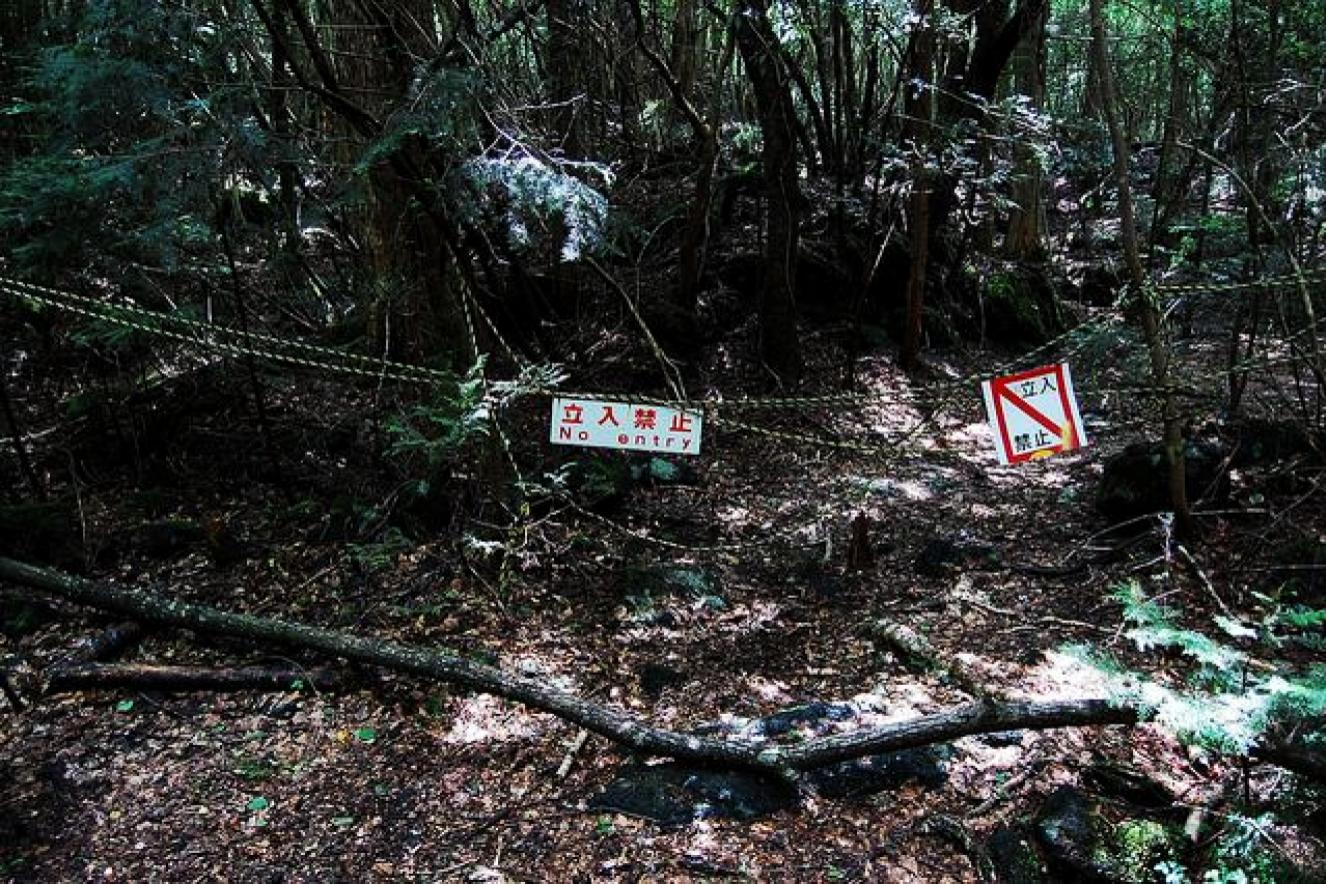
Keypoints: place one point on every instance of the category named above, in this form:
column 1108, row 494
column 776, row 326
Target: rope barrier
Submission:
column 1266, row 283
column 235, row 342
column 697, row 549
column 114, row 315
column 92, row 307
column 222, row 339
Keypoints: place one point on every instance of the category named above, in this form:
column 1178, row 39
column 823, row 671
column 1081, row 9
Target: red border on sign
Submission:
column 1000, row 390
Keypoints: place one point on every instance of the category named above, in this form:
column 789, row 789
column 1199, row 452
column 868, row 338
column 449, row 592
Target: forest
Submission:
column 684, row 440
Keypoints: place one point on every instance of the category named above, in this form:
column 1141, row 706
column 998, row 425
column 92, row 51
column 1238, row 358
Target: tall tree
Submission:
column 765, row 67
column 917, row 109
column 1148, row 312
column 1025, row 220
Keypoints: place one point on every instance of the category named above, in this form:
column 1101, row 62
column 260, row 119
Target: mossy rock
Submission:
column 1132, row 848
column 1083, row 845
column 1021, row 306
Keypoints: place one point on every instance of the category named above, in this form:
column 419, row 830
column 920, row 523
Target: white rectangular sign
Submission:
column 1033, row 414
column 625, row 425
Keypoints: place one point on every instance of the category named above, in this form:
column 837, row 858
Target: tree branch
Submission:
column 618, row 726
column 149, row 677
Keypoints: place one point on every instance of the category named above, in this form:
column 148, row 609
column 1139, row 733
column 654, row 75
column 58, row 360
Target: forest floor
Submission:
column 403, row 780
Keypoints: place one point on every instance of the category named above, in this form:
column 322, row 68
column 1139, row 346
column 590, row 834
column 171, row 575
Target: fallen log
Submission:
column 150, row 677
column 15, row 681
column 616, row 725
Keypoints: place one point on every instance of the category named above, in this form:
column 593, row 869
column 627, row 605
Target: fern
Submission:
column 1229, row 698
column 439, row 429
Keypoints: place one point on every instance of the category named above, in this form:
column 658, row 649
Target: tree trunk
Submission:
column 917, row 109
column 1148, row 311
column 998, row 33
column 565, row 71
column 1026, row 219
column 780, row 347
column 1169, row 192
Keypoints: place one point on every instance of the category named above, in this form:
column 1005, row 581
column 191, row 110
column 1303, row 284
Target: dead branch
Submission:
column 614, row 724
column 916, row 651
column 149, row 677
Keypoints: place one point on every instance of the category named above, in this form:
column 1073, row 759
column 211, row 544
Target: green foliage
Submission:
column 380, row 555
column 1230, row 696
column 1136, row 847
column 436, row 431
column 438, row 118
column 133, row 138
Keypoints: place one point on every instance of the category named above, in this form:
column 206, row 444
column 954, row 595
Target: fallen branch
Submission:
column 148, row 677
column 916, row 651
column 579, row 743
column 618, row 726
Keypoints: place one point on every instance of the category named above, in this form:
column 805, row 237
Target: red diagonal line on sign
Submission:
column 1038, row 417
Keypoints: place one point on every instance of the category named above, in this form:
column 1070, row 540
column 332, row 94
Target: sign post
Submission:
column 1033, row 414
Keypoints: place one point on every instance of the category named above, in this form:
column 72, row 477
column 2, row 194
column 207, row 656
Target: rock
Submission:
column 954, row 554
column 798, row 716
column 1135, row 847
column 878, row 773
column 1021, row 306
column 1259, row 442
column 656, row 677
column 1083, row 846
column 1001, row 739
column 1136, row 480
column 1128, row 784
column 676, row 794
column 1013, row 854
column 1066, row 826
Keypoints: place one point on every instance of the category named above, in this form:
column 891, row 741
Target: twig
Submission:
column 1049, row 618
column 1205, row 581
column 576, row 745
column 1003, row 790
column 16, row 437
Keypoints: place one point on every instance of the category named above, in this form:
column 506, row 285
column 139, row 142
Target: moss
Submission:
column 1133, row 849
